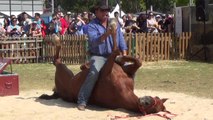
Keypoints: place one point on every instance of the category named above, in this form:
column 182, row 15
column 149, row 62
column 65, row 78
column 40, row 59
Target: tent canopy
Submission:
column 116, row 9
column 2, row 15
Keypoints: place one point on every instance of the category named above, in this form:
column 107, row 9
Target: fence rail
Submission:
column 145, row 46
column 22, row 50
column 73, row 51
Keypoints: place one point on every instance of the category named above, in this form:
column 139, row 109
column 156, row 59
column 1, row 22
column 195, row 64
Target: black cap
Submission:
column 100, row 5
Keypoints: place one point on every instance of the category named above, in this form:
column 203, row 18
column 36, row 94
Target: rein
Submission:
column 167, row 115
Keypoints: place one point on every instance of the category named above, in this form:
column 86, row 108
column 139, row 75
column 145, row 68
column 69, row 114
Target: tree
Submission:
column 140, row 5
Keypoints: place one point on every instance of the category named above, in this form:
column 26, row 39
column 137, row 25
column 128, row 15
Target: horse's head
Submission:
column 148, row 104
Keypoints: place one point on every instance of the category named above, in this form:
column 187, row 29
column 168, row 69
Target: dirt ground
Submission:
column 26, row 106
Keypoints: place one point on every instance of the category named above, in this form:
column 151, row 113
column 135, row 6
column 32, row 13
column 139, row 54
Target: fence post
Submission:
column 133, row 44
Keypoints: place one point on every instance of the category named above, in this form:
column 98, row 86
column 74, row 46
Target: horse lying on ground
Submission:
column 114, row 87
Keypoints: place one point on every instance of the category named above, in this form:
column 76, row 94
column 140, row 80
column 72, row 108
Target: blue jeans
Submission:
column 97, row 62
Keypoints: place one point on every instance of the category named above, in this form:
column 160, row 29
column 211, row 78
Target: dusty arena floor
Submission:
column 26, row 106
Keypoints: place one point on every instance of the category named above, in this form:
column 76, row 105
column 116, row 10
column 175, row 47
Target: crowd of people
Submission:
column 147, row 23
column 61, row 24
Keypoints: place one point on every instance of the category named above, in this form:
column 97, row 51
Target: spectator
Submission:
column 85, row 14
column 41, row 24
column 76, row 26
column 79, row 24
column 160, row 23
column 35, row 30
column 54, row 25
column 168, row 24
column 63, row 22
column 85, row 26
column 142, row 23
column 68, row 20
column 90, row 16
column 11, row 17
column 6, row 23
column 2, row 31
column 26, row 23
column 14, row 30
column 120, row 21
column 128, row 24
column 134, row 26
column 152, row 24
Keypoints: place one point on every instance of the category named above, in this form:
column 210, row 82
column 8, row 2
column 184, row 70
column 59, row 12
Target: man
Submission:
column 120, row 21
column 100, row 47
column 40, row 23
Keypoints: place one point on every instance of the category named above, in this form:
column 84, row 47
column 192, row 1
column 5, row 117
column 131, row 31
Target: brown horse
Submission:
column 114, row 88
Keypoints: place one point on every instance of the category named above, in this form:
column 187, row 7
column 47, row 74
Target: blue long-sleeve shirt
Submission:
column 98, row 47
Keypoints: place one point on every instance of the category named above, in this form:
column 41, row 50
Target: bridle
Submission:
column 166, row 114
column 145, row 110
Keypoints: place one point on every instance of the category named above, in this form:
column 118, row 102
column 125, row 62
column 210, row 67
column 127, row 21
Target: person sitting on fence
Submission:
column 35, row 31
column 14, row 30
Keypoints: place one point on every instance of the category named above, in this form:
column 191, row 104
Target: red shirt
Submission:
column 64, row 26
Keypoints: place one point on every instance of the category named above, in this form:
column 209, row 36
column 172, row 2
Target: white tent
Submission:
column 116, row 9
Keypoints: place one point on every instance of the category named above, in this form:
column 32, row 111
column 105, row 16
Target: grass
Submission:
column 192, row 78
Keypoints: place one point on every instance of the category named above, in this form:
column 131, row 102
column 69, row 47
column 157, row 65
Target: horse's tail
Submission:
column 49, row 97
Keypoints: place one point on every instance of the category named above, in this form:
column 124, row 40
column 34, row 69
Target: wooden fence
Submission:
column 73, row 51
column 146, row 46
column 21, row 50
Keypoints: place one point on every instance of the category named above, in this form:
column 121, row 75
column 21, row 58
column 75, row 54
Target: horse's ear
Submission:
column 164, row 99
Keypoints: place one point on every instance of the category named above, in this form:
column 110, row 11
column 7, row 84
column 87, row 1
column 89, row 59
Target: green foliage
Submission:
column 129, row 6
column 182, row 2
column 77, row 5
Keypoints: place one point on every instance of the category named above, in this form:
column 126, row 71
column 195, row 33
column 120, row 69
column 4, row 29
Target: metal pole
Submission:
column 32, row 7
column 107, row 2
column 52, row 6
column 146, row 7
column 21, row 6
column 10, row 6
column 146, row 15
column 190, row 18
column 120, row 3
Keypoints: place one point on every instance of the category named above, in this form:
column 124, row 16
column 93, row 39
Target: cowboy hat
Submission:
column 100, row 5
